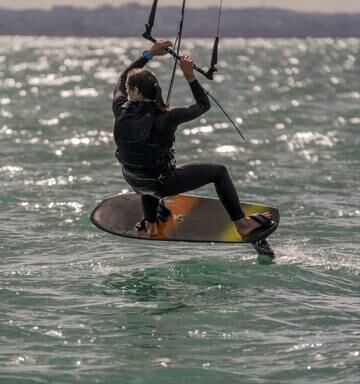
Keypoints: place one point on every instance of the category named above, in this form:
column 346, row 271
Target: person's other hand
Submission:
column 159, row 48
column 187, row 67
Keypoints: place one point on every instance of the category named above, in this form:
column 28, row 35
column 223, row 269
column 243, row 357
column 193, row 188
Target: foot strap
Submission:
column 163, row 212
column 140, row 226
column 162, row 215
column 267, row 227
column 262, row 220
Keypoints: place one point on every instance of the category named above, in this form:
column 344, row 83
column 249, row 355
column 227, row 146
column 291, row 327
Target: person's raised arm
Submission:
column 120, row 93
column 202, row 104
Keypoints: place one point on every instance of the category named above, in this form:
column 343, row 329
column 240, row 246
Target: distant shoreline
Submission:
column 129, row 21
column 189, row 8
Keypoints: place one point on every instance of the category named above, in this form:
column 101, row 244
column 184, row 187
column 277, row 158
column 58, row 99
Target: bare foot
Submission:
column 151, row 228
column 246, row 225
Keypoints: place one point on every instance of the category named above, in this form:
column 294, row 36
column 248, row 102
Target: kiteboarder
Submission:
column 144, row 134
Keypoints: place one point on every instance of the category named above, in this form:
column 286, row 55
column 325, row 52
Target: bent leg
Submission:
column 192, row 176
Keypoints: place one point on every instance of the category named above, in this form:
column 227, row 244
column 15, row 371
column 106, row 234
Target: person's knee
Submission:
column 221, row 171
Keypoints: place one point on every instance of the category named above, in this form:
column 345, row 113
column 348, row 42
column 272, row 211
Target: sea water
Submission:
column 78, row 305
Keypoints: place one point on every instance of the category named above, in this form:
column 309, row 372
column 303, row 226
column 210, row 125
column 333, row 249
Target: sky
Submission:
column 302, row 5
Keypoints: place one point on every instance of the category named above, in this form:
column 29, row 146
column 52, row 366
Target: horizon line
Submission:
column 264, row 7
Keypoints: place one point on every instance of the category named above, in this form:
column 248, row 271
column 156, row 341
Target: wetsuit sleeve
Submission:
column 202, row 104
column 120, row 95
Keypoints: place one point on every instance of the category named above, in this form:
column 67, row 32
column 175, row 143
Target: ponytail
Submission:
column 159, row 101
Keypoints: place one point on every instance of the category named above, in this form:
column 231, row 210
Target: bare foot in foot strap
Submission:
column 248, row 224
column 149, row 228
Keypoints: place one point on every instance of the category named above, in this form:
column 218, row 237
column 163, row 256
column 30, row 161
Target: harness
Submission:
column 132, row 134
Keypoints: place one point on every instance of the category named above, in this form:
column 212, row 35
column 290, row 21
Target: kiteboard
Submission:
column 191, row 219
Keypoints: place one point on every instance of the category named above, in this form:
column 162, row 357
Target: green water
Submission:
column 81, row 306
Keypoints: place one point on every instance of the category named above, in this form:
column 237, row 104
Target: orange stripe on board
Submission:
column 179, row 205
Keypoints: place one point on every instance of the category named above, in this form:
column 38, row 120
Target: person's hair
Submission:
column 148, row 85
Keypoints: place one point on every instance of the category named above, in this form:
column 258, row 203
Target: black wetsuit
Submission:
column 168, row 180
